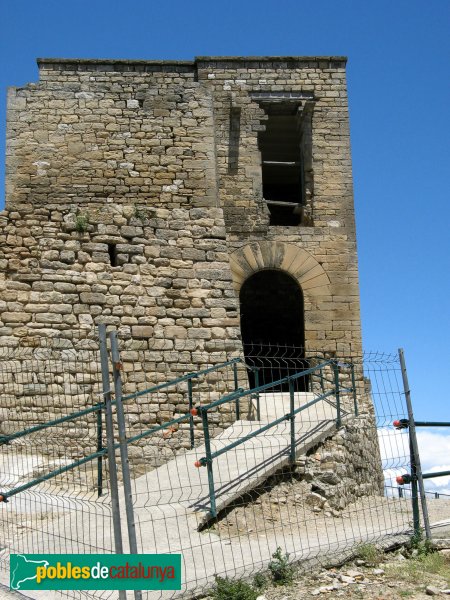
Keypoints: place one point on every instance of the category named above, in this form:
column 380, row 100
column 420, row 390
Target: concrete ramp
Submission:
column 180, row 484
column 273, row 405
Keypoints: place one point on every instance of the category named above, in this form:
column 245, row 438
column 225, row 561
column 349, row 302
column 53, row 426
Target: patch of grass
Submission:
column 421, row 568
column 420, row 544
column 140, row 213
column 437, row 564
column 81, row 222
column 281, row 571
column 228, row 589
column 259, row 582
column 370, row 554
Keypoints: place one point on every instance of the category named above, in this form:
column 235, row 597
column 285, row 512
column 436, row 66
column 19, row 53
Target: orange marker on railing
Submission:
column 404, row 479
column 198, row 463
column 401, row 423
column 194, row 412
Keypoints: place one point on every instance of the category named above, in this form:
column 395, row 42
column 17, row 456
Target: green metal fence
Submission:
column 295, row 457
column 238, row 394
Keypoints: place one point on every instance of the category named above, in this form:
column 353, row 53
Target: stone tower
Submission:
column 201, row 208
column 186, row 201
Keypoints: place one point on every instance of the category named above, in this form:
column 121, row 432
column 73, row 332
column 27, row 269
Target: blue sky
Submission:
column 399, row 91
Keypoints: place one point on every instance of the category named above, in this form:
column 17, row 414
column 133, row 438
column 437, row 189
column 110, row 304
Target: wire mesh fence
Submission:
column 231, row 456
column 49, row 422
column 324, row 499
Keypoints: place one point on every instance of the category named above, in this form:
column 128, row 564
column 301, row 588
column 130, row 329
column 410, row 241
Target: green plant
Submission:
column 81, row 222
column 370, row 554
column 140, row 214
column 281, row 571
column 421, row 569
column 259, row 581
column 420, row 544
column 228, row 589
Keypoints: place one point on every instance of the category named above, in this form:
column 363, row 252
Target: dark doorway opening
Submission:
column 272, row 327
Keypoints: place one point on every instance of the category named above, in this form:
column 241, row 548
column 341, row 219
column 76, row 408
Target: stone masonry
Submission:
column 134, row 197
column 135, row 154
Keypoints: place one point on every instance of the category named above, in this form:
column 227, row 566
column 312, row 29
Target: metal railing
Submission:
column 99, row 410
column 406, row 493
column 267, row 506
column 416, row 476
column 189, row 378
column 203, row 411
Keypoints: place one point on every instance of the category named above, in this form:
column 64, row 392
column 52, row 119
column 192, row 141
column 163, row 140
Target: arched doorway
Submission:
column 272, row 325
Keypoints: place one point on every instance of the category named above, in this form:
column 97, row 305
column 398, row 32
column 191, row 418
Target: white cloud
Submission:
column 394, row 447
column 434, row 450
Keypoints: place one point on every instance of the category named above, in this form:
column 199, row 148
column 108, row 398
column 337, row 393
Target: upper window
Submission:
column 282, row 160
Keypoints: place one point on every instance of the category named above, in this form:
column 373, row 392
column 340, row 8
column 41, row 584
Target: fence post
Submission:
column 236, row 386
column 258, row 404
column 117, row 528
column 322, row 383
column 416, row 469
column 191, row 418
column 99, row 449
column 292, row 419
column 355, row 400
column 124, row 449
column 209, row 465
column 337, row 393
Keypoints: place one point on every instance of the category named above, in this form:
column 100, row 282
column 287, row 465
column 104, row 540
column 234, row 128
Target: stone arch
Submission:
column 300, row 264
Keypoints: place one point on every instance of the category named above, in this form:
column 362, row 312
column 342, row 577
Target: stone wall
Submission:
column 346, row 466
column 134, row 147
column 332, row 318
column 122, row 160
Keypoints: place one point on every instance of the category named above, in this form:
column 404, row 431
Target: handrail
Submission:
column 240, row 393
column 431, row 423
column 95, row 455
column 401, row 491
column 404, row 423
column 5, row 439
column 266, row 427
column 186, row 377
column 202, row 410
column 243, row 393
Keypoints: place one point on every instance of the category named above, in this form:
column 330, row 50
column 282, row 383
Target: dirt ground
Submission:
column 396, row 575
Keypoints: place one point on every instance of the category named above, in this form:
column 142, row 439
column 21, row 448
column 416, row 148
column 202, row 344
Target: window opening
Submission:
column 112, row 251
column 282, row 163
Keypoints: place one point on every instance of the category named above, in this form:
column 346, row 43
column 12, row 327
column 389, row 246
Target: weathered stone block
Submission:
column 142, row 331
column 92, row 298
column 15, row 317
